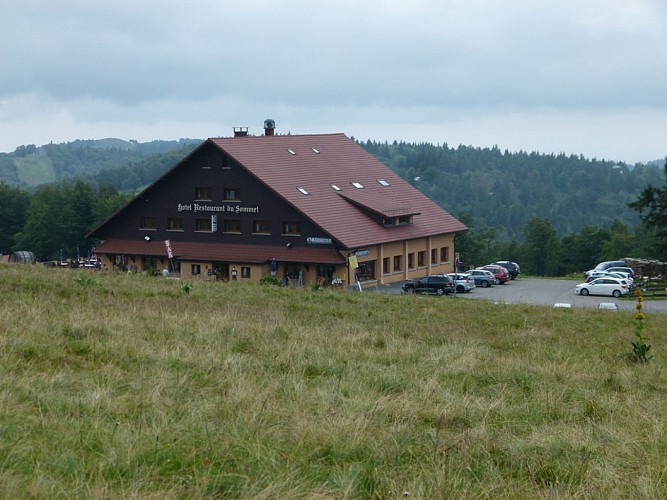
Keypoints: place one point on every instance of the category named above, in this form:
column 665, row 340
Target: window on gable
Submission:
column 291, row 228
column 203, row 225
column 261, row 227
column 203, row 193
column 231, row 194
column 175, row 224
column 232, row 226
column 147, row 223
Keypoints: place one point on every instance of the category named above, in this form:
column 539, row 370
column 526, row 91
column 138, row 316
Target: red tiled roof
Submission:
column 314, row 162
column 223, row 252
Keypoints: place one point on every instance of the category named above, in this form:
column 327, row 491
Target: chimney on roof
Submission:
column 269, row 126
column 240, row 131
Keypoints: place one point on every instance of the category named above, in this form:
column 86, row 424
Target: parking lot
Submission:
column 546, row 292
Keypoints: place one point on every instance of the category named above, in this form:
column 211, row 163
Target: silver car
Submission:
column 482, row 277
column 463, row 282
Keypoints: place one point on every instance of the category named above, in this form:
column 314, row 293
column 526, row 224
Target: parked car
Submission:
column 501, row 274
column 440, row 284
column 512, row 267
column 603, row 286
column 483, row 277
column 621, row 276
column 463, row 282
column 603, row 266
column 622, row 269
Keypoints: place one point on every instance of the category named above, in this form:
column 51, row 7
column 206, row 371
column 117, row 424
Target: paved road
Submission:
column 547, row 292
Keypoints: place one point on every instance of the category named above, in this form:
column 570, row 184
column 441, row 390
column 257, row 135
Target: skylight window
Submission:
column 315, row 151
column 383, row 182
column 303, row 190
column 291, row 151
column 358, row 185
column 335, row 187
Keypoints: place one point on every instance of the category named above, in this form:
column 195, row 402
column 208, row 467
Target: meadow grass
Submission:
column 125, row 386
column 35, row 169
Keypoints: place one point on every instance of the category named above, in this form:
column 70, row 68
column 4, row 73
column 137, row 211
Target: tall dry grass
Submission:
column 116, row 385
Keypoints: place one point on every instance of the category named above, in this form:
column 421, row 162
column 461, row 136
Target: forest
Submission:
column 554, row 214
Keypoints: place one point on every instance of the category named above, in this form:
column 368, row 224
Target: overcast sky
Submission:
column 575, row 76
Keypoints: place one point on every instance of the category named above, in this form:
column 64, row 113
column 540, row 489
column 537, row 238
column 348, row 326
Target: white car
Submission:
column 603, row 286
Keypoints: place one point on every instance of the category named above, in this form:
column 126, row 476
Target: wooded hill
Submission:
column 497, row 189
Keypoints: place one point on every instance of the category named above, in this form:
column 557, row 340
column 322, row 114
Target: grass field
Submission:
column 35, row 169
column 116, row 385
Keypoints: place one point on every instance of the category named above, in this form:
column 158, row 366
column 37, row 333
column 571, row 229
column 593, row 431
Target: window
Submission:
column 203, row 193
column 358, row 185
column 203, row 225
column 411, row 261
column 444, row 254
column 293, row 228
column 261, row 227
column 383, row 182
column 303, row 190
column 398, row 262
column 232, row 226
column 405, row 219
column 245, row 272
column 434, row 256
column 336, row 188
column 385, row 266
column 421, row 258
column 147, row 223
column 174, row 224
column 196, row 270
column 231, row 194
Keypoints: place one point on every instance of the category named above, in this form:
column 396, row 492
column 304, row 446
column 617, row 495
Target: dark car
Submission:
column 512, row 268
column 439, row 284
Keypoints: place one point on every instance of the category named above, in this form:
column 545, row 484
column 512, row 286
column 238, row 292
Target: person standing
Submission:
column 233, row 273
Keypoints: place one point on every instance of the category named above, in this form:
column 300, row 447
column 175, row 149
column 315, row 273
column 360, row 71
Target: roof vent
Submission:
column 269, row 126
column 240, row 131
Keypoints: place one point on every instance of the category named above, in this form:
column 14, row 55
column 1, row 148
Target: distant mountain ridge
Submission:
column 29, row 166
column 498, row 189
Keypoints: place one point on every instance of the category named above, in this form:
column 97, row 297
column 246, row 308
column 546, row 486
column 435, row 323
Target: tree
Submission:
column 541, row 250
column 13, row 206
column 652, row 207
column 58, row 218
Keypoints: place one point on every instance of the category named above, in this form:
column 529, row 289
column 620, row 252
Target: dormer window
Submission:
column 397, row 221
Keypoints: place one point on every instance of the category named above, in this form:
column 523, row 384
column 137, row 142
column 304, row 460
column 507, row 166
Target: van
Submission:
column 603, row 266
